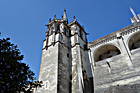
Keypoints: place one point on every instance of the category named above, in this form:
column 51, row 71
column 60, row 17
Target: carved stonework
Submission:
column 70, row 64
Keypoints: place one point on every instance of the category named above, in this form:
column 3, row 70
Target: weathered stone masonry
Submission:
column 65, row 66
column 116, row 60
column 71, row 64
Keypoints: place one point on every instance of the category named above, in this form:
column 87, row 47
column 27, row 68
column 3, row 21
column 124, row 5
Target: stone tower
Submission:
column 82, row 77
column 65, row 66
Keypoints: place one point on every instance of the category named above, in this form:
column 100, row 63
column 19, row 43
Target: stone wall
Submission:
column 49, row 70
column 64, row 69
column 118, row 73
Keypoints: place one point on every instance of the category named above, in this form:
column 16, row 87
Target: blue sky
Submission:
column 23, row 21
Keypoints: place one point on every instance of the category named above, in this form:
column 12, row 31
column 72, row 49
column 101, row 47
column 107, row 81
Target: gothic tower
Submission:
column 81, row 67
column 65, row 66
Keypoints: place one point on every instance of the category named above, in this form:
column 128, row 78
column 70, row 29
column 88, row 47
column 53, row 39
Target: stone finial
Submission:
column 74, row 18
column 50, row 20
column 54, row 17
column 65, row 15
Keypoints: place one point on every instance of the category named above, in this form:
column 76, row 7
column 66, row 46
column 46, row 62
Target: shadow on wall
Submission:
column 106, row 51
column 134, row 41
column 124, row 89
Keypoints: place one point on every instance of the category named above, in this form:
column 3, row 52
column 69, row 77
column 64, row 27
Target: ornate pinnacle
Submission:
column 65, row 15
column 74, row 18
column 50, row 20
column 54, row 17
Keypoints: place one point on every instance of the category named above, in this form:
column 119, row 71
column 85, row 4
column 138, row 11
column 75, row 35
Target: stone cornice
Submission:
column 125, row 31
column 52, row 44
column 79, row 36
column 75, row 22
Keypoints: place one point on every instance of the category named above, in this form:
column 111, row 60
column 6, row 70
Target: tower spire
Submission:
column 74, row 18
column 65, row 15
column 50, row 20
column 54, row 17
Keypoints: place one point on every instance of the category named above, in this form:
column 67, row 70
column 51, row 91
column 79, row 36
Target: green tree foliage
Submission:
column 15, row 76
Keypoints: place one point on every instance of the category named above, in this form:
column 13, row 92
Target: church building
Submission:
column 71, row 64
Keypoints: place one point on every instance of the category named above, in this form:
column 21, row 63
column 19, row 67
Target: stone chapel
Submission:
column 71, row 64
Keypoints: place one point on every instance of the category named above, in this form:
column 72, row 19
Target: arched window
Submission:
column 134, row 41
column 105, row 52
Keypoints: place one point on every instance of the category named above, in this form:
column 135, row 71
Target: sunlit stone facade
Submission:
column 70, row 64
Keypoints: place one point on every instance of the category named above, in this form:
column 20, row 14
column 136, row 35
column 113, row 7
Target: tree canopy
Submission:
column 15, row 76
